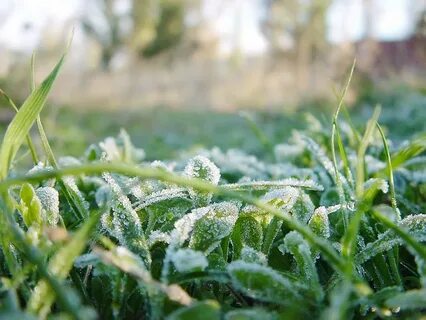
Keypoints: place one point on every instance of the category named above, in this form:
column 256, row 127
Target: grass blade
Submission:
column 24, row 119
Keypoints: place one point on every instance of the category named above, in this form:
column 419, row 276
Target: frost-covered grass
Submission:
column 311, row 228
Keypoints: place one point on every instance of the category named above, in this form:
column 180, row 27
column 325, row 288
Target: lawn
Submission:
column 207, row 215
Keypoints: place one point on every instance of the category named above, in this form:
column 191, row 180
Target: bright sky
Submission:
column 235, row 21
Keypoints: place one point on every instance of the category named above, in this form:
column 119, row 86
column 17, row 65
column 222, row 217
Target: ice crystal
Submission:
column 188, row 260
column 49, row 199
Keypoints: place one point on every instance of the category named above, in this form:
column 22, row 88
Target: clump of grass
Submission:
column 219, row 235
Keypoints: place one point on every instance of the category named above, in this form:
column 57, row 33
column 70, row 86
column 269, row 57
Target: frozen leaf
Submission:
column 271, row 232
column 125, row 222
column 319, row 223
column 202, row 168
column 49, row 199
column 299, row 248
column 247, row 232
column 215, row 225
column 303, row 208
column 187, row 260
column 262, row 283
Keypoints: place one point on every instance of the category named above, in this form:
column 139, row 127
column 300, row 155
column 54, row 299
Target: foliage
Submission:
column 222, row 234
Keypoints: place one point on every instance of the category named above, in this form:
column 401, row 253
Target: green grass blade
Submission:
column 390, row 171
column 335, row 132
column 28, row 137
column 24, row 119
column 360, row 175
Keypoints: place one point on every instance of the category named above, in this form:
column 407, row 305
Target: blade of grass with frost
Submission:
column 360, row 166
column 75, row 203
column 414, row 148
column 24, row 119
column 59, row 266
column 28, row 137
column 349, row 238
column 336, row 132
column 152, row 173
column 393, row 255
column 390, row 171
column 363, row 198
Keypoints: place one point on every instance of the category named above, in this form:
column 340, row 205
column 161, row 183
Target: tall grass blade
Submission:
column 24, row 119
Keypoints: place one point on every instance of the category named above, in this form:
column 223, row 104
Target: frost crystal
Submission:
column 49, row 199
column 202, row 168
column 188, row 260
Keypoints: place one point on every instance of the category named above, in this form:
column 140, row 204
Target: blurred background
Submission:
column 138, row 63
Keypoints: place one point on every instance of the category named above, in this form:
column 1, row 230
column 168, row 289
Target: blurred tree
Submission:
column 169, row 28
column 156, row 26
column 298, row 27
column 102, row 23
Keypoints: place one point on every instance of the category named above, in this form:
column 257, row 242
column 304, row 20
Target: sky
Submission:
column 236, row 22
